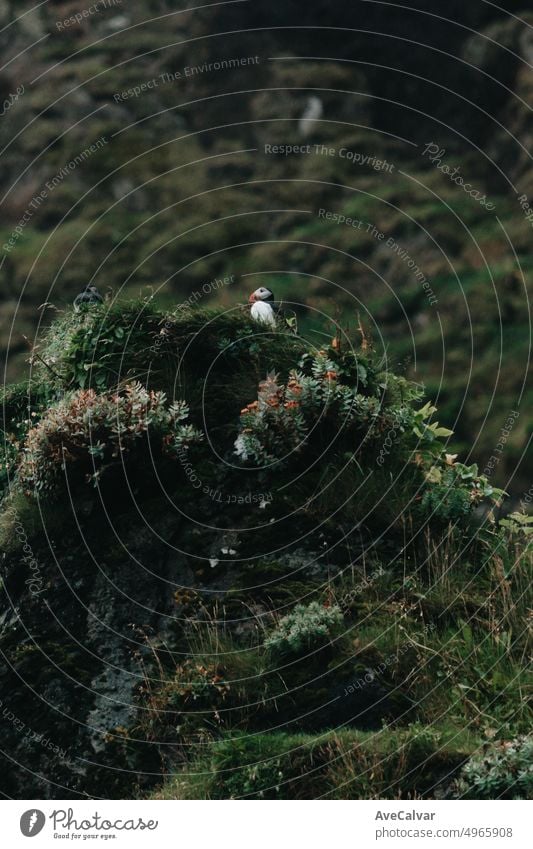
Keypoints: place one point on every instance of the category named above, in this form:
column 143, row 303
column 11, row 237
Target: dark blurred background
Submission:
column 180, row 190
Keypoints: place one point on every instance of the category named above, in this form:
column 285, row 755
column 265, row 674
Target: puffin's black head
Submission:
column 261, row 294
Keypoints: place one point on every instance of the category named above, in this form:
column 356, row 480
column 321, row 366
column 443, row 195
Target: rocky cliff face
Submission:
column 73, row 651
column 113, row 594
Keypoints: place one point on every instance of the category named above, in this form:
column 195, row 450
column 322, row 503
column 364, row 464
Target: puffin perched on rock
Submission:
column 266, row 311
column 89, row 296
column 262, row 301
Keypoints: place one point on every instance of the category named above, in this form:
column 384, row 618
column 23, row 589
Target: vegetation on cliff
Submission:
column 240, row 564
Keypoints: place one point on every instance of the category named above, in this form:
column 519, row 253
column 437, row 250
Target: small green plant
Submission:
column 519, row 525
column 345, row 764
column 196, row 683
column 261, row 780
column 88, row 430
column 455, row 489
column 9, row 456
column 304, row 628
column 21, row 407
column 243, row 344
column 503, row 771
column 90, row 348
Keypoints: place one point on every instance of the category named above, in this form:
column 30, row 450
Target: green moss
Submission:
column 344, row 765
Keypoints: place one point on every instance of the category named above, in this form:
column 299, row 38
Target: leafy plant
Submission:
column 455, row 489
column 22, row 405
column 193, row 698
column 503, row 771
column 99, row 347
column 284, row 416
column 88, row 430
column 519, row 525
column 371, row 417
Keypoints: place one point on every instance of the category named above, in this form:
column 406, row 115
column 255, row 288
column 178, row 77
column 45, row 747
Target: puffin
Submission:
column 88, row 297
column 262, row 310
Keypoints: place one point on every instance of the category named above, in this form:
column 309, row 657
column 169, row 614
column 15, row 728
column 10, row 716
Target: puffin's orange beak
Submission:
column 251, row 299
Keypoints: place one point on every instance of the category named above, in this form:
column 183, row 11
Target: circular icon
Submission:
column 32, row 822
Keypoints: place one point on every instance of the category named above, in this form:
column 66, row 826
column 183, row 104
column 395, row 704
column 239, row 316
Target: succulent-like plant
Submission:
column 504, row 770
column 303, row 628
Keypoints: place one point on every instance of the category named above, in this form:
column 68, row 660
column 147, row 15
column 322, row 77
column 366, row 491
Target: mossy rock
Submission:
column 345, row 765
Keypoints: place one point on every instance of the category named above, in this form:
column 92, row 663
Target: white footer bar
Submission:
column 268, row 825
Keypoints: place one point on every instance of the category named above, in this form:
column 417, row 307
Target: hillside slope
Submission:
column 138, row 151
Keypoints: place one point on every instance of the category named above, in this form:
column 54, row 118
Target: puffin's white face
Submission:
column 261, row 294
